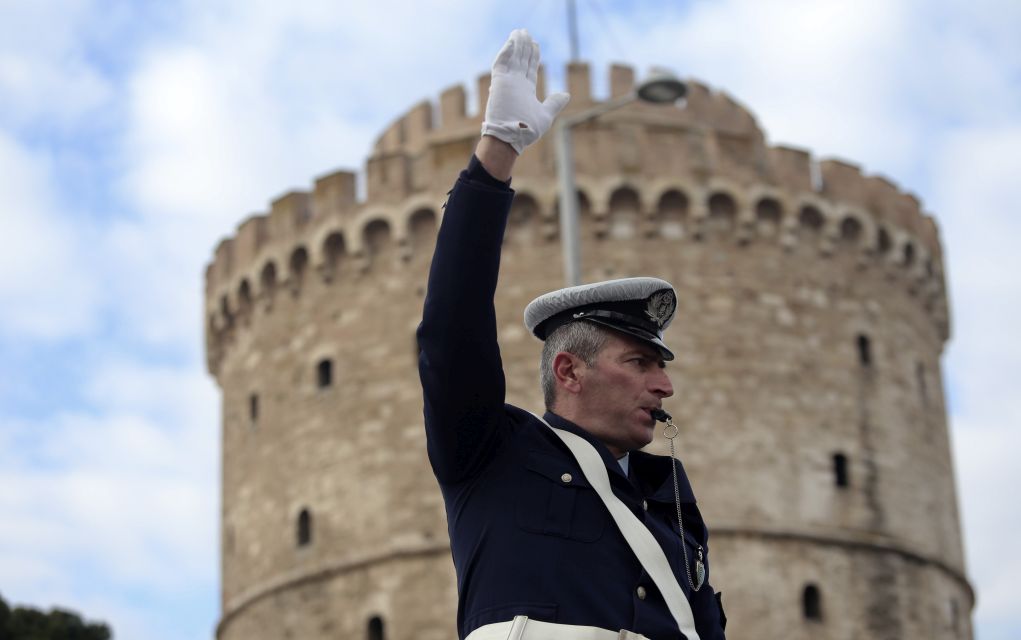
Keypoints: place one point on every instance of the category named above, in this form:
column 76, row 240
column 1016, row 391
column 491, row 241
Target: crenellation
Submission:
column 732, row 204
column 417, row 124
column 392, row 139
column 251, row 237
column 909, row 209
column 388, row 177
column 843, row 181
column 482, row 95
column 718, row 110
column 928, row 231
column 289, row 214
column 210, row 277
column 579, row 85
column 453, row 104
column 422, row 170
column 885, row 200
column 732, row 115
column 223, row 262
column 622, row 80
column 335, row 194
column 540, row 83
column 791, row 168
column 739, row 155
column 698, row 101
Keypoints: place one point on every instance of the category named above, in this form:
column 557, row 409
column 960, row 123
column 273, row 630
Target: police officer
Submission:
column 538, row 554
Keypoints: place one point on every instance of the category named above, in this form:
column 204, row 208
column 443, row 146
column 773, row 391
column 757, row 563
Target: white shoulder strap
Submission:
column 649, row 553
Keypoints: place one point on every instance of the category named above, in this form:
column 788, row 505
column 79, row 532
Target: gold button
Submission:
column 640, row 591
column 645, row 505
column 566, row 477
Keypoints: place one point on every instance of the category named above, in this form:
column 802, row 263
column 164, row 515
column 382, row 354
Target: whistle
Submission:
column 662, row 416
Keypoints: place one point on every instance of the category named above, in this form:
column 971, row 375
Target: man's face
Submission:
column 626, row 382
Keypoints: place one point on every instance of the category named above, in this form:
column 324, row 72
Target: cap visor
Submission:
column 639, row 333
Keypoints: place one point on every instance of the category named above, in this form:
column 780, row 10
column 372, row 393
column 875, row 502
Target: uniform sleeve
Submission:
column 459, row 361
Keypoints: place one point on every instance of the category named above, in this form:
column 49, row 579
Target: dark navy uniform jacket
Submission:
column 528, row 534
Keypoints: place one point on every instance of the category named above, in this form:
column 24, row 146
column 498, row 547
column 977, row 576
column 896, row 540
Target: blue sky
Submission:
column 133, row 136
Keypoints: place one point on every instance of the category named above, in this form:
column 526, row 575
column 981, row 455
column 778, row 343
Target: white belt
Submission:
column 521, row 628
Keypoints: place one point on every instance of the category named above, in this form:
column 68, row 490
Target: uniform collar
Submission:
column 608, row 460
column 652, row 472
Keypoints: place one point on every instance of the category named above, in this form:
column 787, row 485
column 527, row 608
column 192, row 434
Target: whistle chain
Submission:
column 671, row 431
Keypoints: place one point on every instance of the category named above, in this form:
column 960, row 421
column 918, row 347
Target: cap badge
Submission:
column 660, row 307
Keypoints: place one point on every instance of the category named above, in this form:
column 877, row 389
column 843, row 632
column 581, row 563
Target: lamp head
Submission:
column 661, row 87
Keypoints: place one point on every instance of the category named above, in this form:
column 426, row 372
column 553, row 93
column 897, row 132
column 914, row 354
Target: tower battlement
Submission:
column 710, row 154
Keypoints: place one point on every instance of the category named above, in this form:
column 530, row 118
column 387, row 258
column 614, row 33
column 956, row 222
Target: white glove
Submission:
column 513, row 113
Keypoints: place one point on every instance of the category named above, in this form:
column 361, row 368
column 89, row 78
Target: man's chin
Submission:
column 645, row 437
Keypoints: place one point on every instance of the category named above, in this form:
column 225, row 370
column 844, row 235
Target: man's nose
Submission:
column 660, row 383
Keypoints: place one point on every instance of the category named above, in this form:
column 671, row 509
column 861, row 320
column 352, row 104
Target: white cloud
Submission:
column 45, row 74
column 253, row 100
column 257, row 100
column 127, row 491
column 817, row 73
column 986, row 467
column 975, row 177
column 46, row 287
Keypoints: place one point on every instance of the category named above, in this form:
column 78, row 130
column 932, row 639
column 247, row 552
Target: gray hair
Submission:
column 582, row 339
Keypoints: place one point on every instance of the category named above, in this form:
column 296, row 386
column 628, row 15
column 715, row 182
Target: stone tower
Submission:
column 812, row 317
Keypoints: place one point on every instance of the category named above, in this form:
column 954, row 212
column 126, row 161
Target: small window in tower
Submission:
column 324, row 373
column 954, row 614
column 884, row 241
column 811, row 602
column 304, row 528
column 253, row 407
column 909, row 255
column 920, row 376
column 375, row 629
column 864, row 350
column 840, row 470
column 810, row 218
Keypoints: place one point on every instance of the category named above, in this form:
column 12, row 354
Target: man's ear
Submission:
column 569, row 370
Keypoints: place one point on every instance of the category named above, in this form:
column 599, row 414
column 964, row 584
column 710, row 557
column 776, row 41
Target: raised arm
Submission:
column 459, row 360
column 496, row 157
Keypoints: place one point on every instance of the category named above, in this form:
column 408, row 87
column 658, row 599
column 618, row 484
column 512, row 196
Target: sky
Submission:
column 135, row 135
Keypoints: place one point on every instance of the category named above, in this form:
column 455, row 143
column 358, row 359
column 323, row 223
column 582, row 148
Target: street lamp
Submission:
column 660, row 87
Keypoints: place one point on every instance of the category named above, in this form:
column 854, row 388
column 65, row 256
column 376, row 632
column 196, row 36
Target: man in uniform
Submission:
column 537, row 553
